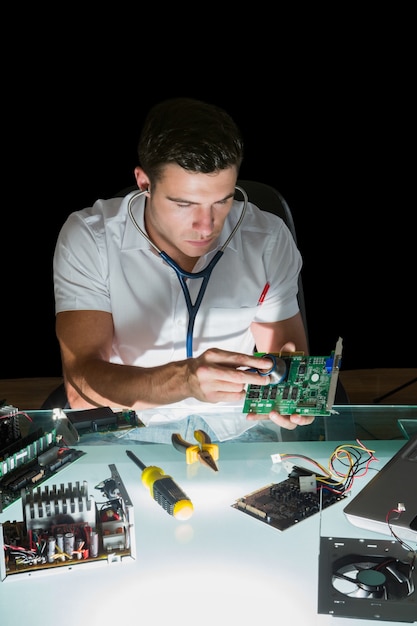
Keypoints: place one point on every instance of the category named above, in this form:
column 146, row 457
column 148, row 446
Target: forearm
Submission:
column 100, row 383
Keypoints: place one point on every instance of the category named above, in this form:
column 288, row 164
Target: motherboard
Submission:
column 284, row 504
column 31, row 455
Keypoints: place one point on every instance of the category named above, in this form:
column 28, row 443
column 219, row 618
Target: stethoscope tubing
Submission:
column 182, row 275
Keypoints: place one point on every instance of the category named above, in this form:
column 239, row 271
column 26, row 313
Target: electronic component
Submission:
column 164, row 490
column 36, row 458
column 284, row 504
column 367, row 579
column 29, row 454
column 305, row 385
column 9, row 426
column 103, row 419
column 64, row 526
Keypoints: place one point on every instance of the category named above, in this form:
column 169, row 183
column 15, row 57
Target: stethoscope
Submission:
column 204, row 273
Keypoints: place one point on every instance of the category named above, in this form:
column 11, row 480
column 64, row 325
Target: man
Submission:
column 121, row 275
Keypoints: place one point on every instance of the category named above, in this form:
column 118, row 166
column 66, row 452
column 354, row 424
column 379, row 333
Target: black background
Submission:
column 333, row 131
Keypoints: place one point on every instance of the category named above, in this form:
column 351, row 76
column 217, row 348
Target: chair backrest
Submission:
column 268, row 199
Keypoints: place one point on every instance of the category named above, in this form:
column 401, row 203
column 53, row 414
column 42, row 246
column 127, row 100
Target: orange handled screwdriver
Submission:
column 164, row 490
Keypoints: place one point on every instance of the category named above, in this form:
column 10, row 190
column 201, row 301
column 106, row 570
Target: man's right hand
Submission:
column 223, row 376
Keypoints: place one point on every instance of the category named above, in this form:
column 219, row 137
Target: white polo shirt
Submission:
column 102, row 262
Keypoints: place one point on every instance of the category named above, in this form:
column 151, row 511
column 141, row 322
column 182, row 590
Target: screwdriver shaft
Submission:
column 135, row 459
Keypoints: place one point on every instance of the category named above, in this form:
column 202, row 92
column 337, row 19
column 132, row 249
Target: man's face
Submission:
column 185, row 211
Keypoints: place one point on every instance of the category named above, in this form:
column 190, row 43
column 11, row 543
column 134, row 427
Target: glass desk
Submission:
column 220, row 565
column 348, row 422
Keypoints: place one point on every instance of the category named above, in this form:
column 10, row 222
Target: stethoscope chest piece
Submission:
column 277, row 372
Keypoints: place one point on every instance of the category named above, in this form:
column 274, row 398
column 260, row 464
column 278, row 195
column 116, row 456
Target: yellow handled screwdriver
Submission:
column 164, row 490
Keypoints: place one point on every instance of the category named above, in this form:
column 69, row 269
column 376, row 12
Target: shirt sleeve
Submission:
column 80, row 267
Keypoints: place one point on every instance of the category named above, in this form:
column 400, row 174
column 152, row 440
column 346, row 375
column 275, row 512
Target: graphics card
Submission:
column 301, row 384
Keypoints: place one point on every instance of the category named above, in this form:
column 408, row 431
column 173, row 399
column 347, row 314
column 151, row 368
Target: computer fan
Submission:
column 367, row 579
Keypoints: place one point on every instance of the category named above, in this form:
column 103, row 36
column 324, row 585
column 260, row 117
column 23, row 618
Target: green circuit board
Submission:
column 307, row 385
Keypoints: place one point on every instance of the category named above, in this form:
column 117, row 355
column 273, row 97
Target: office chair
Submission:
column 269, row 199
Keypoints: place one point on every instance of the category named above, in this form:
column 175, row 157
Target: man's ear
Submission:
column 142, row 179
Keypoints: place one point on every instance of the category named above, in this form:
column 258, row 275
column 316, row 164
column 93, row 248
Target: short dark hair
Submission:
column 197, row 136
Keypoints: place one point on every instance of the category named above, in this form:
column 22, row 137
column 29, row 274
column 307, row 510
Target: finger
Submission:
column 256, row 417
column 289, row 422
column 219, row 376
column 235, row 360
column 221, row 395
column 302, row 420
column 282, row 420
column 288, row 347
